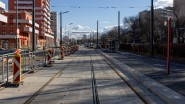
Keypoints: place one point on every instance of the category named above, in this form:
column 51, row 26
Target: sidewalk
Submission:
column 32, row 83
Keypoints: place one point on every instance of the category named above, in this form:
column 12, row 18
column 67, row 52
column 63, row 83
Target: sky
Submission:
column 85, row 13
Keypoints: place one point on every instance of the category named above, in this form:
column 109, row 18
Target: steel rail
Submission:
column 142, row 97
column 94, row 84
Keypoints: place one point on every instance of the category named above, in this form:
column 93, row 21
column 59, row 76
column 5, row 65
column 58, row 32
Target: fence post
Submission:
column 32, row 61
column 50, row 57
column 7, row 58
column 3, row 68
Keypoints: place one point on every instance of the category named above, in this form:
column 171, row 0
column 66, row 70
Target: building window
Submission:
column 19, row 17
column 11, row 33
column 3, row 25
column 19, row 25
column 11, row 24
column 4, row 32
column 11, row 17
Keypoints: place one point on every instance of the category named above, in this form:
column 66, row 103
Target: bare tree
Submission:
column 132, row 23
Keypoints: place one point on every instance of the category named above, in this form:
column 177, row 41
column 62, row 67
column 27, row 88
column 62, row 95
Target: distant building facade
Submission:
column 179, row 8
column 9, row 30
column 54, row 26
column 179, row 11
column 42, row 18
column 3, row 21
column 160, row 18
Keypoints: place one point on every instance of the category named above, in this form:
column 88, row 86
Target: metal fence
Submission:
column 30, row 61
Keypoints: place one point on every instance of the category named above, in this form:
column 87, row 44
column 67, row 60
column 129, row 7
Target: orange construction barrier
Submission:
column 68, row 51
column 17, row 68
column 49, row 57
column 62, row 53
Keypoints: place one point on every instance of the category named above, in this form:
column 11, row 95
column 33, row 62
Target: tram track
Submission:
column 28, row 101
column 57, row 75
column 94, row 84
column 140, row 96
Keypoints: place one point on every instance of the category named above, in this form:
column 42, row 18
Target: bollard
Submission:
column 17, row 68
column 49, row 57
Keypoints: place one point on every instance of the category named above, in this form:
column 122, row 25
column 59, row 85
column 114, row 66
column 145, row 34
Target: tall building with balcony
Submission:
column 9, row 31
column 3, row 20
column 42, row 17
column 54, row 26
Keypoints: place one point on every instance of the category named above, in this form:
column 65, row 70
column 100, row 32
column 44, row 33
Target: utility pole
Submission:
column 151, row 28
column 119, row 29
column 60, row 28
column 97, row 37
column 93, row 36
column 33, row 26
column 17, row 41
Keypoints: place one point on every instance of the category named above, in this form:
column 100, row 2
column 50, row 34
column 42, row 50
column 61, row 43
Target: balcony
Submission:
column 2, row 5
column 47, row 35
column 8, row 36
column 3, row 18
column 25, row 21
column 23, row 2
column 23, row 7
column 29, row 29
column 47, row 2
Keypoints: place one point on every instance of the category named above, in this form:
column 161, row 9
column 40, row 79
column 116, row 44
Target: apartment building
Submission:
column 3, row 20
column 54, row 26
column 24, row 34
column 42, row 17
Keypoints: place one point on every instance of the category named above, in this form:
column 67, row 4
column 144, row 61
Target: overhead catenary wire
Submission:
column 99, row 7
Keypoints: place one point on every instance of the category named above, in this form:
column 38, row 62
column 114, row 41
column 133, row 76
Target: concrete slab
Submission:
column 111, row 88
column 168, row 95
column 18, row 95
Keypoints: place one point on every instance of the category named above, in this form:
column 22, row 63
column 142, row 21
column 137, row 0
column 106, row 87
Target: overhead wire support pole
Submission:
column 151, row 29
column 17, row 41
column 119, row 29
column 60, row 28
column 33, row 26
column 168, row 46
column 97, row 37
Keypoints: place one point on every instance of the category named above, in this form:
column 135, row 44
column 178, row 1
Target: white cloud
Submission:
column 107, row 28
column 163, row 3
column 81, row 28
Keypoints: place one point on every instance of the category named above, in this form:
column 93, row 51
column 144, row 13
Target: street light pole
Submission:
column 17, row 41
column 151, row 28
column 61, row 26
column 33, row 26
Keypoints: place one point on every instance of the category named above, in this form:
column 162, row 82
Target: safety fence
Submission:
column 30, row 61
